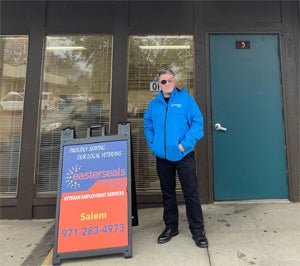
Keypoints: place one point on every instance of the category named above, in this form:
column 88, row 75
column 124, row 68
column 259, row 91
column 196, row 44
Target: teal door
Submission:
column 249, row 160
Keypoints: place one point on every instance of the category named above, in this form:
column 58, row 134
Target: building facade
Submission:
column 81, row 63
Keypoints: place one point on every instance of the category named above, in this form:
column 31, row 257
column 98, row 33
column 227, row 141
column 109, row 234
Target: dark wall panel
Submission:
column 243, row 12
column 161, row 16
column 14, row 17
column 79, row 13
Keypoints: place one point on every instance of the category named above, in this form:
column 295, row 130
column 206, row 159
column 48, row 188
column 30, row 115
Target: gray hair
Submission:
column 165, row 71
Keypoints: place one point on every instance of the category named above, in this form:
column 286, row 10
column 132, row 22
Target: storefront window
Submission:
column 147, row 55
column 13, row 63
column 75, row 93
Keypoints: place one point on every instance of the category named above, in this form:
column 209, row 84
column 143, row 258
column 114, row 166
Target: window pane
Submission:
column 76, row 92
column 147, row 55
column 13, row 62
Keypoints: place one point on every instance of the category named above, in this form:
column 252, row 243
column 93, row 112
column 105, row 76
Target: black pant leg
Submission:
column 167, row 171
column 187, row 174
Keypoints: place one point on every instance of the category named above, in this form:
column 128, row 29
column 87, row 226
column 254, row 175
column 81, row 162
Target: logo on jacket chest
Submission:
column 177, row 105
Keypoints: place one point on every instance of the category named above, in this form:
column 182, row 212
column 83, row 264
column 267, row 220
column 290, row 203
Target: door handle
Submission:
column 219, row 127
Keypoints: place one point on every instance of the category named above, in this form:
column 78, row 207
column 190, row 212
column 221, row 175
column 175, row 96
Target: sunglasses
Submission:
column 164, row 81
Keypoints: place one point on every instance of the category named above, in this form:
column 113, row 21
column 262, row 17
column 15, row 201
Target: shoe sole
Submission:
column 202, row 246
column 165, row 241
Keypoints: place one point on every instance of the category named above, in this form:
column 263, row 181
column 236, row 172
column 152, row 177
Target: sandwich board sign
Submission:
column 93, row 210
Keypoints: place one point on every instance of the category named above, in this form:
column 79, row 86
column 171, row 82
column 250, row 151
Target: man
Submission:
column 173, row 124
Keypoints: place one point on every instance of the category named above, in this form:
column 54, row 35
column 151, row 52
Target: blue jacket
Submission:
column 167, row 125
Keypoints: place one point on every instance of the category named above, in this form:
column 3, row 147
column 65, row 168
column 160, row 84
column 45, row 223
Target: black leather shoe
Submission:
column 166, row 235
column 200, row 239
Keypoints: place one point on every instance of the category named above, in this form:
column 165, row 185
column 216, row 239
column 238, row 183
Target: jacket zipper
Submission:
column 165, row 133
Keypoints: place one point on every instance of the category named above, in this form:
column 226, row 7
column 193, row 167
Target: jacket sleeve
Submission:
column 148, row 126
column 196, row 130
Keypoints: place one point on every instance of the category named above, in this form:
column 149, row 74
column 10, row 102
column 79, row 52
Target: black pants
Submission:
column 186, row 169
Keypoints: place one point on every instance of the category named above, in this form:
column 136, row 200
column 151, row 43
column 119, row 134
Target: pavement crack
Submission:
column 208, row 255
column 244, row 258
column 227, row 224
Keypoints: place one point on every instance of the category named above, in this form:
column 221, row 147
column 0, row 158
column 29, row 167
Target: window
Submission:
column 147, row 55
column 76, row 93
column 13, row 63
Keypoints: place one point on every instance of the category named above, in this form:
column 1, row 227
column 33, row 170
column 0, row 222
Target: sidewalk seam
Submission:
column 208, row 255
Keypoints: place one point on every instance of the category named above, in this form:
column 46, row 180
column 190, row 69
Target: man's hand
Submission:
column 180, row 147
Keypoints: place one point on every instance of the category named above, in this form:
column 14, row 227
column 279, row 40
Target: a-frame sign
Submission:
column 93, row 211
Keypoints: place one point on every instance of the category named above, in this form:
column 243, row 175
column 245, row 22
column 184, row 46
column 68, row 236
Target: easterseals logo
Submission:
column 70, row 182
column 74, row 176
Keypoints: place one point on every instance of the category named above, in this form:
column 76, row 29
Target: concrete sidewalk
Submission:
column 240, row 233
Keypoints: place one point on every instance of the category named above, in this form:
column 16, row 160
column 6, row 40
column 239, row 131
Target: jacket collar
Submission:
column 173, row 93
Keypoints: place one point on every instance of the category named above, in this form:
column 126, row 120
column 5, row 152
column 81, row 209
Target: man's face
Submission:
column 167, row 84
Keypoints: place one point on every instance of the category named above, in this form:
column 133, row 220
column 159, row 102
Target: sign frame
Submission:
column 68, row 140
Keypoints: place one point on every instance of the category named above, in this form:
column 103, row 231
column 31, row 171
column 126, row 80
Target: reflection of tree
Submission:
column 95, row 47
column 13, row 58
column 85, row 61
column 153, row 56
column 96, row 56
column 144, row 63
column 60, row 63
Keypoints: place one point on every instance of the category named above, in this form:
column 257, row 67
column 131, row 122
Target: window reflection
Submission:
column 147, row 55
column 13, row 63
column 76, row 93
